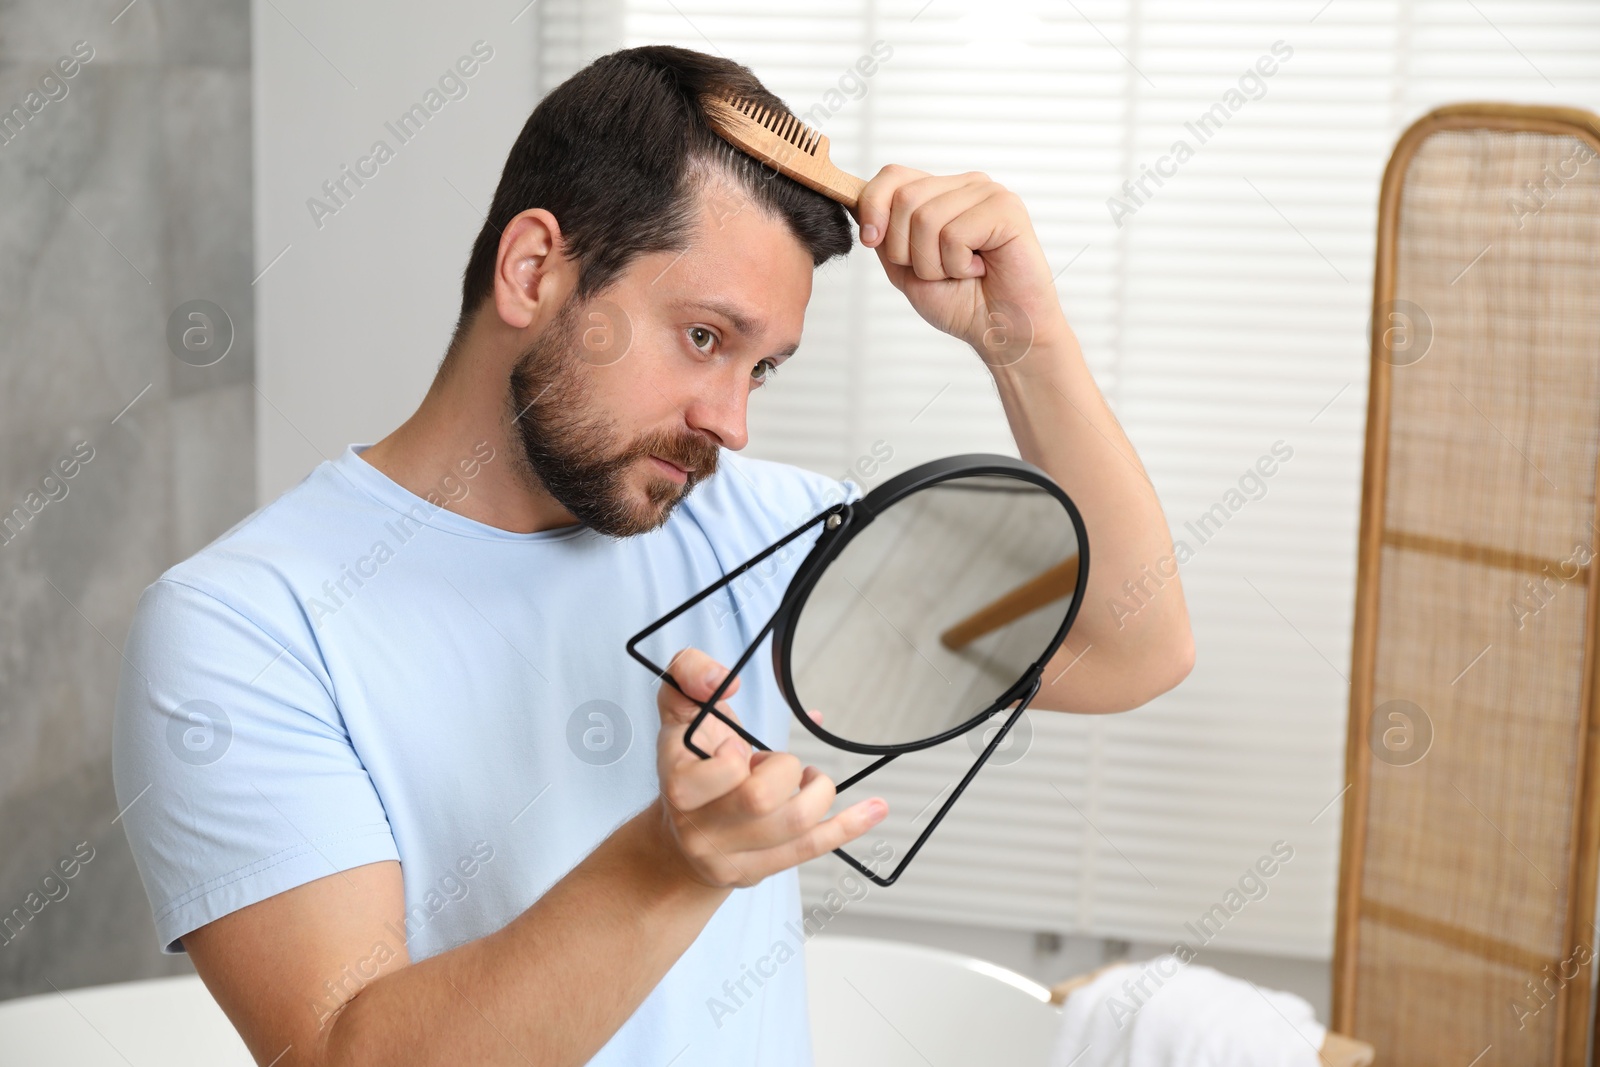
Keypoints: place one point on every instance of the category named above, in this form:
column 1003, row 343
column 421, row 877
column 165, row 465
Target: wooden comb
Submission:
column 777, row 138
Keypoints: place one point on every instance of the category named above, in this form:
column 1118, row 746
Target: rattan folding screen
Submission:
column 1467, row 883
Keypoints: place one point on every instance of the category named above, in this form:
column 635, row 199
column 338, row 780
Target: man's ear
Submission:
column 531, row 274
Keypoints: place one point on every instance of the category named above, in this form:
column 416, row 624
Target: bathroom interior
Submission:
column 1334, row 265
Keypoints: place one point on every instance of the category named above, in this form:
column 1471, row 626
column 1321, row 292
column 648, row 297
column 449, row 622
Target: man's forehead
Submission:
column 740, row 262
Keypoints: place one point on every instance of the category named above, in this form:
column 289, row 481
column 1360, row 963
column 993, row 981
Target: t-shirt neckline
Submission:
column 385, row 490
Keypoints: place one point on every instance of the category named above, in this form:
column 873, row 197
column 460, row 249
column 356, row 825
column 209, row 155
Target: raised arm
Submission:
column 963, row 251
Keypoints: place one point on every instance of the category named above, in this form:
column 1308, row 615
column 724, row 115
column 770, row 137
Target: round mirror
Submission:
column 928, row 607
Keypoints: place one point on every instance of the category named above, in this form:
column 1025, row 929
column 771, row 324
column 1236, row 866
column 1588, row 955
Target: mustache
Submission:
column 694, row 454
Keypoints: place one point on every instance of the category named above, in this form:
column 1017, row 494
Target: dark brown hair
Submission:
column 616, row 153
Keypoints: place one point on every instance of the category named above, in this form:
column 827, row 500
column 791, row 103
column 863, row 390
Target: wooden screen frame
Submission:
column 1572, row 1003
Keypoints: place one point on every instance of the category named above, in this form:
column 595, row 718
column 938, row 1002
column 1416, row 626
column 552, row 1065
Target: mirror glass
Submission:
column 934, row 609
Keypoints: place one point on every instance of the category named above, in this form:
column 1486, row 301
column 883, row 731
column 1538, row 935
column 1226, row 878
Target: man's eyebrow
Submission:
column 741, row 322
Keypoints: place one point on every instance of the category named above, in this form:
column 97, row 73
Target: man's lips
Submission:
column 673, row 470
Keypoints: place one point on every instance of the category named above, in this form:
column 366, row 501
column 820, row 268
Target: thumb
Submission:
column 697, row 676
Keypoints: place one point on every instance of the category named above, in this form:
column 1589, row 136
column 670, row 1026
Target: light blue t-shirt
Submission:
column 354, row 674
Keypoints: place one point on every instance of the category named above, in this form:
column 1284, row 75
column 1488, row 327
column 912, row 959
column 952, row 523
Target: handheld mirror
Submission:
column 922, row 610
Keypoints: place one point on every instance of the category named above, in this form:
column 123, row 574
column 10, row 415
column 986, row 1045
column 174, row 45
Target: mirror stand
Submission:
column 955, row 795
column 834, row 520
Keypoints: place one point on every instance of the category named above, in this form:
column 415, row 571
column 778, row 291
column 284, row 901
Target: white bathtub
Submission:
column 172, row 1022
column 873, row 1004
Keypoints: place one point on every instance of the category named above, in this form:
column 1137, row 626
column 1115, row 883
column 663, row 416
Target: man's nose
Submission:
column 720, row 411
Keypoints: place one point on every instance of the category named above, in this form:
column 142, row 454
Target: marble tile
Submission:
column 123, row 197
column 39, row 31
column 210, row 32
column 70, row 580
column 85, row 315
column 213, row 33
column 100, row 930
column 206, row 201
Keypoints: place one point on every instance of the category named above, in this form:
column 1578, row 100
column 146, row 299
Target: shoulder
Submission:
column 261, row 566
column 240, row 602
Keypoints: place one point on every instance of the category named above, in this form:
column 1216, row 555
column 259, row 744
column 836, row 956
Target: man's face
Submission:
column 622, row 402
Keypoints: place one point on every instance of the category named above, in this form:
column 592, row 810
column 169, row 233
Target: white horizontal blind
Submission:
column 1224, row 316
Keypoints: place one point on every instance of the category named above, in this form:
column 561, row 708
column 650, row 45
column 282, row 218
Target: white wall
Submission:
column 353, row 318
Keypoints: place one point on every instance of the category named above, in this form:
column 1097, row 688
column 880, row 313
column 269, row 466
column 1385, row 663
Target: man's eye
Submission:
column 771, row 371
column 701, row 338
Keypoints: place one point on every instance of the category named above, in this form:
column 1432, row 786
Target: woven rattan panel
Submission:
column 1488, row 500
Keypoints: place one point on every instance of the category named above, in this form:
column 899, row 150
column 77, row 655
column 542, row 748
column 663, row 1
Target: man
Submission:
column 376, row 744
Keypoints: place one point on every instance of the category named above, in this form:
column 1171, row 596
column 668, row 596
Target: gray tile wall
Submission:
column 119, row 201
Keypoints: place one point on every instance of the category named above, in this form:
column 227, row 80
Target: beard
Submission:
column 575, row 452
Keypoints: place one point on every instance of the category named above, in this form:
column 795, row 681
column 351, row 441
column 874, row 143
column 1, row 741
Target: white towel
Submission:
column 1166, row 1013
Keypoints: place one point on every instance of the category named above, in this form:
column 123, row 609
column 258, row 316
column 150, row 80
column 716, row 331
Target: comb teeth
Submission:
column 779, row 123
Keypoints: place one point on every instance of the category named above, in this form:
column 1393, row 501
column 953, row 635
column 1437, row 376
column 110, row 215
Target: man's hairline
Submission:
column 701, row 168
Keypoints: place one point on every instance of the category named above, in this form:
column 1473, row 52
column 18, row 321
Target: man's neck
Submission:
column 462, row 419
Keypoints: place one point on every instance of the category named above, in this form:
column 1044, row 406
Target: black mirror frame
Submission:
column 841, row 522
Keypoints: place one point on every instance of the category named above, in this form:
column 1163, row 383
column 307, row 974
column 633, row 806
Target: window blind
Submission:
column 1204, row 179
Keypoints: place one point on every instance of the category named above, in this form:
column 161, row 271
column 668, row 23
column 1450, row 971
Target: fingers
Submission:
column 945, row 230
column 687, row 781
column 690, row 784
column 708, row 736
column 766, row 810
column 826, row 836
column 895, row 195
column 923, row 204
column 872, row 205
column 740, row 816
column 765, row 822
column 698, row 676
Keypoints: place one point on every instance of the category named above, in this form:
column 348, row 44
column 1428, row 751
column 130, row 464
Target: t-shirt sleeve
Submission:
column 235, row 777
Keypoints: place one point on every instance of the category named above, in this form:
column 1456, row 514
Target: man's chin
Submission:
column 653, row 501
column 652, row 495
column 661, row 490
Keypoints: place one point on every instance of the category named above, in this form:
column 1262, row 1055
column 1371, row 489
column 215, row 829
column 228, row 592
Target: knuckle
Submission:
column 746, row 800
column 676, row 793
column 807, row 846
column 699, row 851
column 761, row 800
column 785, row 765
column 795, row 821
column 714, row 870
column 918, row 223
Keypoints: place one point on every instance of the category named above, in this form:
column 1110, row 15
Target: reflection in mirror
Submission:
column 935, row 609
